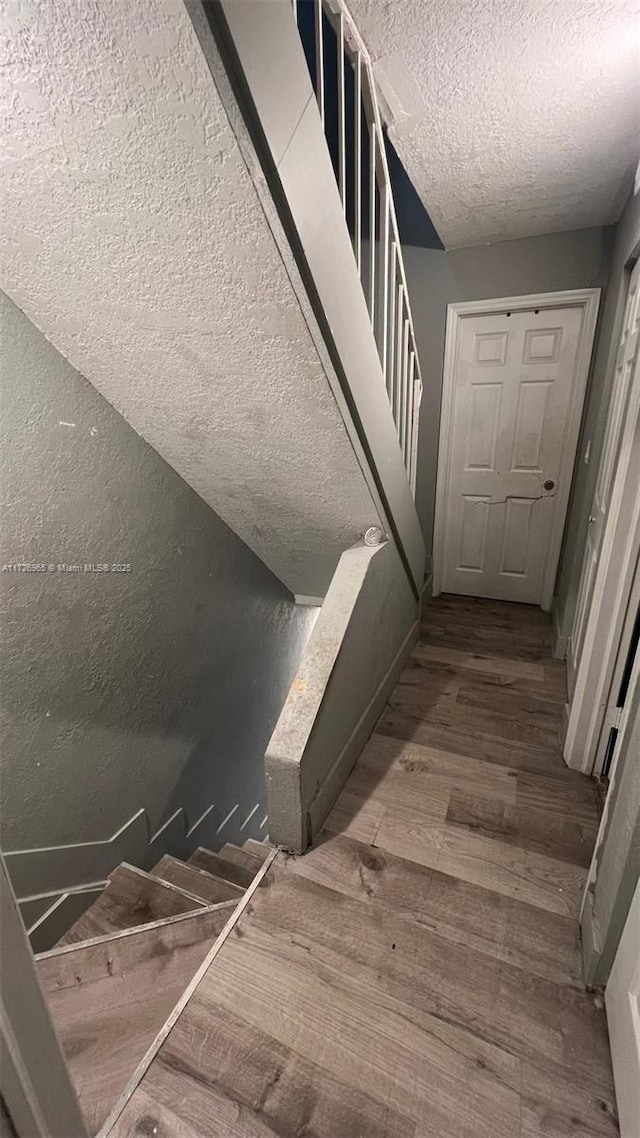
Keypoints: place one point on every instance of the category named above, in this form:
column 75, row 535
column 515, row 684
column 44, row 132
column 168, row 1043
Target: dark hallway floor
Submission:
column 418, row 973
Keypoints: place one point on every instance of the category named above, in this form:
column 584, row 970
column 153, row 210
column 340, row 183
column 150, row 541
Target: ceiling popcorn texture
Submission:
column 133, row 237
column 512, row 119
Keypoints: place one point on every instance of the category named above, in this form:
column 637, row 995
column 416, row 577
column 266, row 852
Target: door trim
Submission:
column 614, row 579
column 623, row 1021
column 621, row 664
column 586, row 298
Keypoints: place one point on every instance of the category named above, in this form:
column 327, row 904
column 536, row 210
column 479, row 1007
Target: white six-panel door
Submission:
column 515, row 385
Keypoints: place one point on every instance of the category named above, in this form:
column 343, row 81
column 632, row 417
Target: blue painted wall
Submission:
column 415, row 225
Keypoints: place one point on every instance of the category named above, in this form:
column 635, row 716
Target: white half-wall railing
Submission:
column 342, row 75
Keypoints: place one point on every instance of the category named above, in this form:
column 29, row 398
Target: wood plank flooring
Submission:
column 417, row 974
column 109, row 997
column 131, row 897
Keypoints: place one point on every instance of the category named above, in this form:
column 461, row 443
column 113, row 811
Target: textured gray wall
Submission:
column 134, row 237
column 577, row 259
column 626, row 242
column 157, row 688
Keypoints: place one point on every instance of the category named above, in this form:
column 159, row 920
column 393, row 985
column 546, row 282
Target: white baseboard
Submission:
column 560, row 641
column 427, row 592
column 564, row 723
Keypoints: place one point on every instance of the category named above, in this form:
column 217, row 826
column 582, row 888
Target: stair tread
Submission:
column 258, row 849
column 219, row 866
column 131, row 897
column 197, row 881
column 244, row 858
column 109, row 999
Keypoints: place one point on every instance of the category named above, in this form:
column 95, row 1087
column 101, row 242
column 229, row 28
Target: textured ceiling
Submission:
column 512, row 117
column 132, row 235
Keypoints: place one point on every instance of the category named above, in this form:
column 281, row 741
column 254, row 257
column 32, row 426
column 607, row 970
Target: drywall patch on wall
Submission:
column 134, row 238
column 511, row 119
column 154, row 685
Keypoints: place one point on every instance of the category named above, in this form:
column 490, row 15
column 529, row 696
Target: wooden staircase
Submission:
column 115, row 977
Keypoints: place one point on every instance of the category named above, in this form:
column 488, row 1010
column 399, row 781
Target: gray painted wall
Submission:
column 626, row 242
column 156, row 688
column 365, row 629
column 577, row 259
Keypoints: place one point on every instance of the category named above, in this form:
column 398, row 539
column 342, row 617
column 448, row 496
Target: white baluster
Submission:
column 384, row 280
column 391, row 379
column 319, row 38
column 342, row 158
column 405, row 385
column 357, row 157
column 383, row 318
column 398, row 355
column 373, row 142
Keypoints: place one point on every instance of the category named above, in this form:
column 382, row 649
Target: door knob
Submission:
column 549, row 484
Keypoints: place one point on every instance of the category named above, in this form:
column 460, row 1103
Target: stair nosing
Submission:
column 205, row 872
column 240, row 849
column 232, row 864
column 118, row 934
column 168, row 884
column 153, row 1050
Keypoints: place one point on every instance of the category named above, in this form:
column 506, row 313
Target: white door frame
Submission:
column 586, row 298
column 612, row 715
column 625, row 733
column 623, row 1020
column 614, row 579
column 605, row 473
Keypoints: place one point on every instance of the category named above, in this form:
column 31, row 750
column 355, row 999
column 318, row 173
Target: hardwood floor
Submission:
column 131, row 897
column 417, row 974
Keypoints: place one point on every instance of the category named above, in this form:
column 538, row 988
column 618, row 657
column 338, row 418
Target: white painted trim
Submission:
column 134, row 931
column 53, row 870
column 61, row 914
column 613, row 715
column 614, row 577
column 566, row 708
column 623, row 1019
column 560, row 641
column 56, row 875
column 622, row 745
column 587, row 299
column 60, row 868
